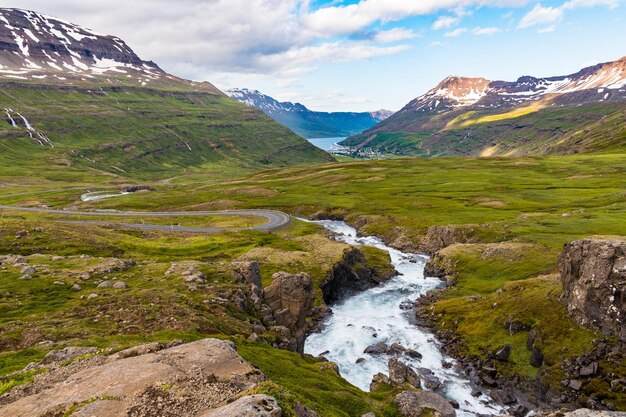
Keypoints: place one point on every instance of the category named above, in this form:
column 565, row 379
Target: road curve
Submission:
column 275, row 219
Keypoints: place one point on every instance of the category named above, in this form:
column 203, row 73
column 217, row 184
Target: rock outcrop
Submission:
column 413, row 404
column 350, row 276
column 439, row 237
column 188, row 379
column 251, row 406
column 593, row 272
column 289, row 300
column 400, row 373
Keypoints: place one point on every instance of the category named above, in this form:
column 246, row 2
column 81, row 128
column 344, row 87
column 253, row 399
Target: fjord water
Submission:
column 376, row 315
column 327, row 144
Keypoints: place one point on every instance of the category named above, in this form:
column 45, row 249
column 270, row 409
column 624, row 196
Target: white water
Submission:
column 375, row 316
column 101, row 195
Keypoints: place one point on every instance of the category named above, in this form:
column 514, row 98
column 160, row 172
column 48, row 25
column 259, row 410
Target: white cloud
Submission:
column 573, row 4
column 540, row 15
column 455, row 33
column 394, row 35
column 480, row 31
column 550, row 16
column 444, row 22
column 341, row 20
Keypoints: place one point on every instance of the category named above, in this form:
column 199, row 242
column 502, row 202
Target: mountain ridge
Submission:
column 440, row 122
column 308, row 123
column 86, row 101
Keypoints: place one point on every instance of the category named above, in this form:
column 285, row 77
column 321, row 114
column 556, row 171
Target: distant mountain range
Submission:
column 307, row 123
column 581, row 112
column 76, row 99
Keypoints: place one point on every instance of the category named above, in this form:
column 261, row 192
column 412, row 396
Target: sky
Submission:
column 354, row 55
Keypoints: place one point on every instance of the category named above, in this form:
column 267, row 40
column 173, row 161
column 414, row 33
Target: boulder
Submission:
column 379, row 379
column 136, row 351
column 413, row 404
column 251, row 406
column 302, row 410
column 290, row 299
column 589, row 370
column 377, row 349
column 593, row 273
column 431, row 382
column 67, row 354
column 399, row 373
column 29, row 270
column 201, row 376
column 503, row 397
column 503, row 353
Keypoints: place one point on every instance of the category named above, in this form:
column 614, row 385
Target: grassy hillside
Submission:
column 532, row 130
column 520, row 212
column 140, row 133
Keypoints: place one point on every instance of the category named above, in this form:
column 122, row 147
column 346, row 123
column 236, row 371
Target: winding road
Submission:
column 275, row 219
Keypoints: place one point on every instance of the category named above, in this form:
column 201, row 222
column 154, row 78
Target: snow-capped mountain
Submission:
column 36, row 47
column 92, row 103
column 267, row 104
column 308, row 123
column 601, row 81
column 475, row 116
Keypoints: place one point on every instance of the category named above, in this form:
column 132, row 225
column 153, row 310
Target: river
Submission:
column 376, row 315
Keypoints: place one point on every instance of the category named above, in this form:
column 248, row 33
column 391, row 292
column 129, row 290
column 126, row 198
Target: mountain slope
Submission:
column 582, row 112
column 75, row 100
column 307, row 123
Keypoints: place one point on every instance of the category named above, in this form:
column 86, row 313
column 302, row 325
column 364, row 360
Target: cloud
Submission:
column 444, row 22
column 455, row 33
column 341, row 20
column 540, row 15
column 394, row 35
column 550, row 16
column 480, row 31
column 573, row 4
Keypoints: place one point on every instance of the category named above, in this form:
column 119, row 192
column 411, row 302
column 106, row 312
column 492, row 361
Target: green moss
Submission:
column 313, row 383
column 8, row 383
column 534, row 303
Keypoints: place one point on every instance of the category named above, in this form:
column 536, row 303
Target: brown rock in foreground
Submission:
column 188, row 379
column 251, row 406
column 593, row 272
column 413, row 404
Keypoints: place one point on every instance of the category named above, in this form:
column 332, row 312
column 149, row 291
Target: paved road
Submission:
column 275, row 219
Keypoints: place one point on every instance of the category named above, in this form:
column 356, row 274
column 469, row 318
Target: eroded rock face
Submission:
column 188, row 379
column 251, row 406
column 593, row 272
column 413, row 404
column 439, row 237
column 350, row 276
column 290, row 299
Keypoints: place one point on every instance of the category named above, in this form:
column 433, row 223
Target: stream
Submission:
column 376, row 315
